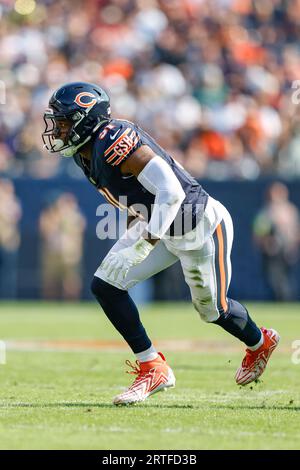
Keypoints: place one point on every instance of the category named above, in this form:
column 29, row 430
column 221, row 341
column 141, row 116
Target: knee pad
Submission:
column 207, row 311
column 102, row 290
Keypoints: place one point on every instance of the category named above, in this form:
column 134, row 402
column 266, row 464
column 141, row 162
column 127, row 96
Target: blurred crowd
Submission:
column 214, row 81
column 58, row 248
column 58, row 253
column 10, row 238
column 277, row 235
column 61, row 228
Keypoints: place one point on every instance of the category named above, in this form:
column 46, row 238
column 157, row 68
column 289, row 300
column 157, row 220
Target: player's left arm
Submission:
column 159, row 179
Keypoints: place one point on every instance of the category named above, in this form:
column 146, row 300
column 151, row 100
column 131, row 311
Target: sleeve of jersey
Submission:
column 120, row 145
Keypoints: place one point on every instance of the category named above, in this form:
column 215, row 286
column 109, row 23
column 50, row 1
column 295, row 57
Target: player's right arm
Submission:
column 159, row 179
column 124, row 150
column 153, row 172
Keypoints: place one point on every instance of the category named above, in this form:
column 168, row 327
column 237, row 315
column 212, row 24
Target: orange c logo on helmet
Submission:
column 88, row 104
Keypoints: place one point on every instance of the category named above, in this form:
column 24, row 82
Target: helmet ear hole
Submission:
column 75, row 137
column 76, row 116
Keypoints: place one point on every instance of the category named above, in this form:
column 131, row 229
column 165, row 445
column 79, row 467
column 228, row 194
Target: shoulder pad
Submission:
column 121, row 141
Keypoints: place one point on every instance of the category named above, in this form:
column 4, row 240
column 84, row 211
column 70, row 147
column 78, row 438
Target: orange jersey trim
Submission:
column 222, row 267
column 107, row 151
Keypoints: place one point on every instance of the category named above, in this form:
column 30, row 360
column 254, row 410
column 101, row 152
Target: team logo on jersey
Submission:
column 87, row 103
column 121, row 147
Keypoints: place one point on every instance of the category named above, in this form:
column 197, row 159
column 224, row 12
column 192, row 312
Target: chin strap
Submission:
column 70, row 151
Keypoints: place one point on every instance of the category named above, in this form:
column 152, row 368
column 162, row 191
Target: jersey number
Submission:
column 105, row 131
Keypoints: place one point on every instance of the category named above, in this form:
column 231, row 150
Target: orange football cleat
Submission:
column 254, row 363
column 152, row 377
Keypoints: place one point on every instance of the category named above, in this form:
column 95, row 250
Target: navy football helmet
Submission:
column 81, row 108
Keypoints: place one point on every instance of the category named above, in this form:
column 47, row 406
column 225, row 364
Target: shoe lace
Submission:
column 250, row 358
column 136, row 368
column 247, row 359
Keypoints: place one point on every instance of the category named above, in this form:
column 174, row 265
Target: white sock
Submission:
column 149, row 355
column 258, row 345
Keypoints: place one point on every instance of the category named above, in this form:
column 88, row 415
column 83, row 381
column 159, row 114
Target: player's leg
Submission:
column 123, row 314
column 115, row 300
column 208, row 274
column 235, row 318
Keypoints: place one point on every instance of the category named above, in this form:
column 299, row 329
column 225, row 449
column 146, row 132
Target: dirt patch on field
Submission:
column 109, row 345
column 203, row 346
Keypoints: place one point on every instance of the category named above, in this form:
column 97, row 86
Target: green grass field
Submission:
column 65, row 363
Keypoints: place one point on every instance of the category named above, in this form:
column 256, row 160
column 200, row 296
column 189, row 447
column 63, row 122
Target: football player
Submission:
column 181, row 222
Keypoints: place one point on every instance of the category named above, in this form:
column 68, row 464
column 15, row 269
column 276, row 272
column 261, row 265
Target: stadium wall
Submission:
column 243, row 200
